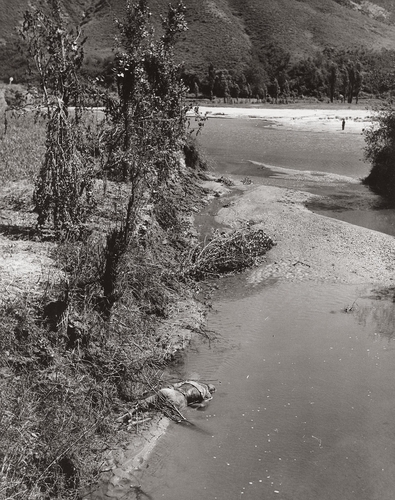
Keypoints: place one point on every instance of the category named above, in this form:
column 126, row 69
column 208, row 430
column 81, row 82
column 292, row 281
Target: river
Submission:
column 248, row 147
column 305, row 401
column 304, row 371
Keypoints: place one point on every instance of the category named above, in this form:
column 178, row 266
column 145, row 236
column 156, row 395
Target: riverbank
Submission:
column 317, row 118
column 310, row 248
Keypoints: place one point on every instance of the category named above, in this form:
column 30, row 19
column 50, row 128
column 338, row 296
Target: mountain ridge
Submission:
column 230, row 33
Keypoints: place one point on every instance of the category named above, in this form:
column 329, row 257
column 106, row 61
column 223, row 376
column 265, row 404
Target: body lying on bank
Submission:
column 181, row 395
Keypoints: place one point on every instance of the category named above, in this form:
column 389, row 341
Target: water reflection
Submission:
column 377, row 308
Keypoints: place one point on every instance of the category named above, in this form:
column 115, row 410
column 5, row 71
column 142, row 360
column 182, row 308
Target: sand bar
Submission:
column 314, row 119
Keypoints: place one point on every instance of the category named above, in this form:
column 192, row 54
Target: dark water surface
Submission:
column 305, row 401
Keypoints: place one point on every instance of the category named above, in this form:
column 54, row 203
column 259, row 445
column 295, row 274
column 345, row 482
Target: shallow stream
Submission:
column 305, row 401
column 305, row 371
column 247, row 148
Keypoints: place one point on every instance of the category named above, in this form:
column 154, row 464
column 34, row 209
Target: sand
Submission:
column 315, row 119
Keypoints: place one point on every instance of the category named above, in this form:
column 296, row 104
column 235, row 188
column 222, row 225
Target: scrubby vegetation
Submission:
column 227, row 252
column 78, row 350
column 380, row 152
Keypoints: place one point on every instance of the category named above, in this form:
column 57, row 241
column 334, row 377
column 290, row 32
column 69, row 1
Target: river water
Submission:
column 305, row 401
column 248, row 147
column 305, row 390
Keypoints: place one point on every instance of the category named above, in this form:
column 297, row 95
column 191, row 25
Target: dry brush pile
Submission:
column 227, row 252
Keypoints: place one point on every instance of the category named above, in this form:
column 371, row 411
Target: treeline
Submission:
column 333, row 74
column 341, row 74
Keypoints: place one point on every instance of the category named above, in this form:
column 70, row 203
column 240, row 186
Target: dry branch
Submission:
column 227, row 253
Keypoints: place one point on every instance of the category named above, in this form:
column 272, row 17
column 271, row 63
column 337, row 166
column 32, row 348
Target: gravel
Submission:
column 310, row 246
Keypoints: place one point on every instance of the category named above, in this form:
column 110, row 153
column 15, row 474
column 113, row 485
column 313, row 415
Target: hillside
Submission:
column 228, row 33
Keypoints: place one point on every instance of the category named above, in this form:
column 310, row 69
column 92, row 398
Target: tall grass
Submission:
column 22, row 145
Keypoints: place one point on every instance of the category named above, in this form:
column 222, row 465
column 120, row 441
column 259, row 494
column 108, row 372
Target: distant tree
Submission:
column 235, row 91
column 211, row 79
column 262, row 93
column 276, row 89
column 286, row 91
column 343, row 80
column 255, row 76
column 223, row 83
column 249, row 91
column 242, row 83
column 196, row 89
column 332, row 80
column 274, row 60
column 354, row 80
column 358, row 82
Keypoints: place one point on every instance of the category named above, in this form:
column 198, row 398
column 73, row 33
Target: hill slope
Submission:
column 228, row 33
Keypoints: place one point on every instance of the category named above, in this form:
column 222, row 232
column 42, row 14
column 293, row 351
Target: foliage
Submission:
column 147, row 122
column 380, row 152
column 63, row 194
column 50, row 411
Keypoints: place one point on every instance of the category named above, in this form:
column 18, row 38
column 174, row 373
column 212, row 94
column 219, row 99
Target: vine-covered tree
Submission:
column 148, row 118
column 63, row 192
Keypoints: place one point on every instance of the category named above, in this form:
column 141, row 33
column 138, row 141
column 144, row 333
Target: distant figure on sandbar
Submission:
column 343, row 123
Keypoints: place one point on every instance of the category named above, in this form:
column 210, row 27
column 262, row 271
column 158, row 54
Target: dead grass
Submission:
column 227, row 252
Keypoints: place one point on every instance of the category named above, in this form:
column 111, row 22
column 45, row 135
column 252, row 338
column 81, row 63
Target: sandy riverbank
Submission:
column 320, row 118
column 310, row 246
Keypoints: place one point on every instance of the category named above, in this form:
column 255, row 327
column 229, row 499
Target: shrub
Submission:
column 380, row 152
column 63, row 194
